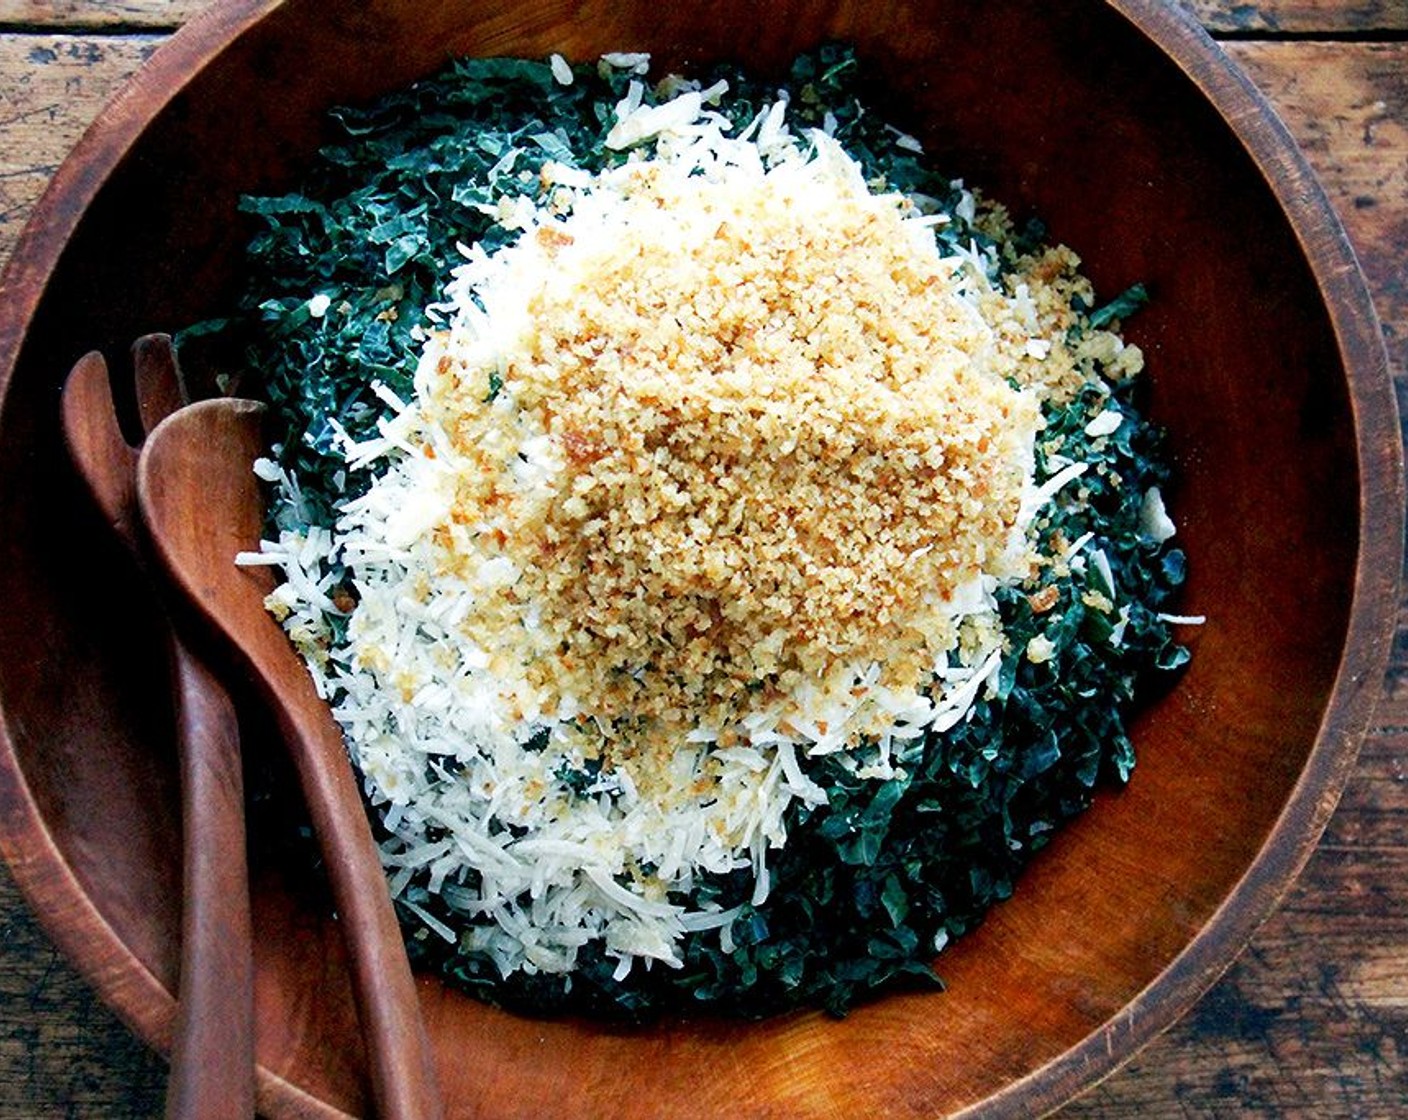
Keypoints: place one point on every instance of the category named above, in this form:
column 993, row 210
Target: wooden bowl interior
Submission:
column 1061, row 110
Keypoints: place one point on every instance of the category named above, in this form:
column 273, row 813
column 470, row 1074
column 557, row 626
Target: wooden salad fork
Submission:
column 202, row 505
column 212, row 1052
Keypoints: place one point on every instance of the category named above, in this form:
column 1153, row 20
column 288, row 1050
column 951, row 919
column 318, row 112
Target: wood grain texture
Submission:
column 62, row 1052
column 212, row 1053
column 213, row 1048
column 51, row 88
column 1310, row 1022
column 1313, row 1019
column 202, row 503
column 1348, row 109
column 100, row 14
column 1311, row 18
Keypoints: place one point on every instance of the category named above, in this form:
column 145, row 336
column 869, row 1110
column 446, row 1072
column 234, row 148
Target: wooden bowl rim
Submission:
column 1377, row 578
column 125, row 983
column 44, row 876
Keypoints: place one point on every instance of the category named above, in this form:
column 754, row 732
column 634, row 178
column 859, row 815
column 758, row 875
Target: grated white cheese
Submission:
column 561, row 71
column 1104, row 423
column 1154, row 520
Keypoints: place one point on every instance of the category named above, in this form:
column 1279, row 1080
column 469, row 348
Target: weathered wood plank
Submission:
column 1301, row 17
column 62, row 1052
column 162, row 14
column 51, row 87
column 1373, row 812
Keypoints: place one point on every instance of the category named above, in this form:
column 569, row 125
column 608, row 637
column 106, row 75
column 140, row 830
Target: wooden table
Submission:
column 1313, row 1019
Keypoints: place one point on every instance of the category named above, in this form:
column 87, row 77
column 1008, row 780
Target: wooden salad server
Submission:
column 212, row 1051
column 202, row 505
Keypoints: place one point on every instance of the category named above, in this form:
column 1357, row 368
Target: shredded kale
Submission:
column 873, row 883
column 1121, row 307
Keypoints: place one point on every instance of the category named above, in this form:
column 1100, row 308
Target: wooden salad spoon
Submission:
column 202, row 505
column 212, row 1051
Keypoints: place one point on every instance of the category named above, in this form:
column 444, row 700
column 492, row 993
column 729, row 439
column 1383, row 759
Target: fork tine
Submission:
column 96, row 444
column 157, row 377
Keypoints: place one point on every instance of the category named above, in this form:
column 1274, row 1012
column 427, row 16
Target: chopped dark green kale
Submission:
column 873, row 883
column 1121, row 307
column 580, row 779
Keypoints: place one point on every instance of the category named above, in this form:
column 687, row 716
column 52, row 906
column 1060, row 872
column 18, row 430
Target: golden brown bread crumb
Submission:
column 784, row 445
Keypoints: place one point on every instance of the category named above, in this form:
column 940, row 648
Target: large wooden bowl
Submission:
column 1123, row 127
